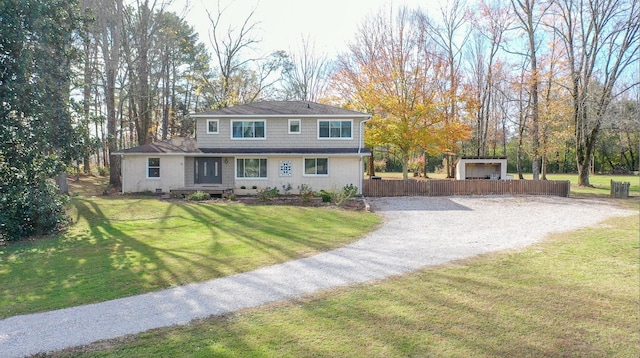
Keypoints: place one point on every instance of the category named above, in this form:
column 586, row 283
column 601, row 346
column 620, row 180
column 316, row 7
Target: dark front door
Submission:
column 208, row 171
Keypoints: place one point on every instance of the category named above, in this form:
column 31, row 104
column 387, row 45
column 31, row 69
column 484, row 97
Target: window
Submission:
column 248, row 129
column 251, row 168
column 294, row 126
column 334, row 129
column 316, row 166
column 212, row 126
column 153, row 167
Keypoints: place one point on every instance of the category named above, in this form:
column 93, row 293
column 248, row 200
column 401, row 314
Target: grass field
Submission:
column 573, row 295
column 125, row 245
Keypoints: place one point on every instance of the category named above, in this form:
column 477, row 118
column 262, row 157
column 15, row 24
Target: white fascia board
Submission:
column 364, row 116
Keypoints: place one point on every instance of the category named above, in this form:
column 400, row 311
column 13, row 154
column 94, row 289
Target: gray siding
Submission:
column 277, row 135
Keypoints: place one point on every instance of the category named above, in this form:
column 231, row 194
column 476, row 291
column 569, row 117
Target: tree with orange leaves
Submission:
column 391, row 72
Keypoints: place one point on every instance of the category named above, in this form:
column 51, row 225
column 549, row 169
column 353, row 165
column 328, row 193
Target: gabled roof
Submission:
column 174, row 145
column 281, row 108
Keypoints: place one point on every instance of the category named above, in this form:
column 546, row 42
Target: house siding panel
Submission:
column 189, row 172
column 136, row 181
column 277, row 135
column 342, row 171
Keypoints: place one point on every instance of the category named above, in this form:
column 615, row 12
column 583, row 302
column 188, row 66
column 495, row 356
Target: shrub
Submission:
column 380, row 165
column 350, row 190
column 31, row 210
column 326, row 196
column 199, row 196
column 339, row 197
column 306, row 193
column 101, row 171
column 287, row 188
column 415, row 164
column 233, row 197
column 267, row 194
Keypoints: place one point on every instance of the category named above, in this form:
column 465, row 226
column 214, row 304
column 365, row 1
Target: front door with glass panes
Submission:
column 208, row 171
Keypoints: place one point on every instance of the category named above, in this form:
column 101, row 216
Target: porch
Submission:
column 214, row 189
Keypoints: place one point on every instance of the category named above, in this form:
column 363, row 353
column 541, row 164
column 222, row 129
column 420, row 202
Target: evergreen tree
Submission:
column 36, row 132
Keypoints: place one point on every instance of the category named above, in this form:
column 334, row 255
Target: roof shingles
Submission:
column 284, row 108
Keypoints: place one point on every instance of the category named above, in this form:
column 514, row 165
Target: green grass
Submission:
column 121, row 246
column 574, row 294
column 601, row 183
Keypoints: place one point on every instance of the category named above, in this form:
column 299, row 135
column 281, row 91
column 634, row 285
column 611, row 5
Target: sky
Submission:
column 330, row 24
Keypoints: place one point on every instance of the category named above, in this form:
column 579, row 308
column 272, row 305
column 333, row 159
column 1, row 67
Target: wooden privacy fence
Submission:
column 381, row 188
column 620, row 189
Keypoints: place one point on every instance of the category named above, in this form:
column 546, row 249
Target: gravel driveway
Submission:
column 416, row 232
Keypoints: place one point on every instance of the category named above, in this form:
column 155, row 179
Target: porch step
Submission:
column 222, row 191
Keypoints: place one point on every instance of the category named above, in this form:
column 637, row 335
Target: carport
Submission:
column 481, row 168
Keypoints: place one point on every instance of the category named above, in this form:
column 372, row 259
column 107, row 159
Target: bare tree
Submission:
column 142, row 24
column 307, row 75
column 601, row 39
column 489, row 36
column 228, row 47
column 109, row 20
column 530, row 17
column 450, row 34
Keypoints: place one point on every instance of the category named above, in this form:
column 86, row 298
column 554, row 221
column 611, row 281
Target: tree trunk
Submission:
column 519, row 153
column 371, row 170
column 61, row 182
column 112, row 55
column 405, row 165
column 86, row 104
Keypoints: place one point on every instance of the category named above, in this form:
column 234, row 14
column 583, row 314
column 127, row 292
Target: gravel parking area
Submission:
column 416, row 232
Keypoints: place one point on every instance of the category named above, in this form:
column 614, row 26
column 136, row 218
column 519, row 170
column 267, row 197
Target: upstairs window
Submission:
column 212, row 126
column 153, row 167
column 334, row 129
column 294, row 126
column 248, row 129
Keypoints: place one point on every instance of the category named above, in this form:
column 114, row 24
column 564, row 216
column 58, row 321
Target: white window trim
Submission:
column 217, row 126
column 333, row 138
column 248, row 120
column 304, row 171
column 235, row 169
column 148, row 167
column 299, row 126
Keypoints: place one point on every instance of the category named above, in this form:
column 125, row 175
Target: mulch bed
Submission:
column 355, row 204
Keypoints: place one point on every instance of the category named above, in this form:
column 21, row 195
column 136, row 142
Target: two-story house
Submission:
column 258, row 145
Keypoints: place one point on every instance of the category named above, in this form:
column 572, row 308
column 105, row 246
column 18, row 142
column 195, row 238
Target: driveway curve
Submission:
column 416, row 232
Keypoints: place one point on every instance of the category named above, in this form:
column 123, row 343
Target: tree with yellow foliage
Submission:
column 390, row 71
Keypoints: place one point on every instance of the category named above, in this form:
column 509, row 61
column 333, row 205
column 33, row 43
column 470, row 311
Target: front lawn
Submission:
column 123, row 245
column 574, row 295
